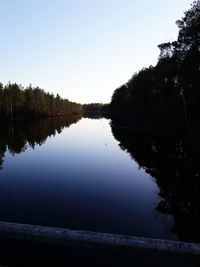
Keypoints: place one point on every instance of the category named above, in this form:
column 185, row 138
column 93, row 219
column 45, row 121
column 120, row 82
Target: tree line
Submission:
column 17, row 102
column 156, row 118
column 169, row 91
column 96, row 110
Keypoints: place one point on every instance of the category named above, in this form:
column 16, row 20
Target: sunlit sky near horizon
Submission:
column 83, row 49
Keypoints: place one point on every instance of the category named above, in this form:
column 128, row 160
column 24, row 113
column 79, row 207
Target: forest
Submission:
column 19, row 102
column 168, row 94
column 156, row 119
column 96, row 110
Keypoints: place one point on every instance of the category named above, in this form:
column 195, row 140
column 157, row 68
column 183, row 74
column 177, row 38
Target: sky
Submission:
column 83, row 49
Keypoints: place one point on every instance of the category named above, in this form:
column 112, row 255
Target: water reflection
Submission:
column 79, row 179
column 17, row 136
column 172, row 159
column 82, row 180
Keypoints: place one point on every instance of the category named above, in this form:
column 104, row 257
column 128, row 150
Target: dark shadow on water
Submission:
column 172, row 158
column 17, row 136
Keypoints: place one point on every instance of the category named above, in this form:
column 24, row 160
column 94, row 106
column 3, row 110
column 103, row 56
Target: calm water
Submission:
column 75, row 175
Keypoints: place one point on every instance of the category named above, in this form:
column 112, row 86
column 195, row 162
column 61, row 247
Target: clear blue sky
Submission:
column 83, row 49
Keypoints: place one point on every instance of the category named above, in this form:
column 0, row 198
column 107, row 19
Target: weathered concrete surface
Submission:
column 86, row 239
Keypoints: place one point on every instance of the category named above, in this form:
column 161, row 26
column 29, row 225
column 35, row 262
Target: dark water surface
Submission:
column 74, row 174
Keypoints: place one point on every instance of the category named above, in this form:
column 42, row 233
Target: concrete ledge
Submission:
column 61, row 236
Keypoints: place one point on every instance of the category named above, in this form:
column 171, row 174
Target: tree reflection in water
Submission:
column 172, row 159
column 17, row 136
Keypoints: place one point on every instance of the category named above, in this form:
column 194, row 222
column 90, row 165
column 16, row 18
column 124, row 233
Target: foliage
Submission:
column 16, row 101
column 155, row 117
column 170, row 89
column 96, row 110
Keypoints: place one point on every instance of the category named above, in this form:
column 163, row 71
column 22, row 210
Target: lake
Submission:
column 77, row 174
